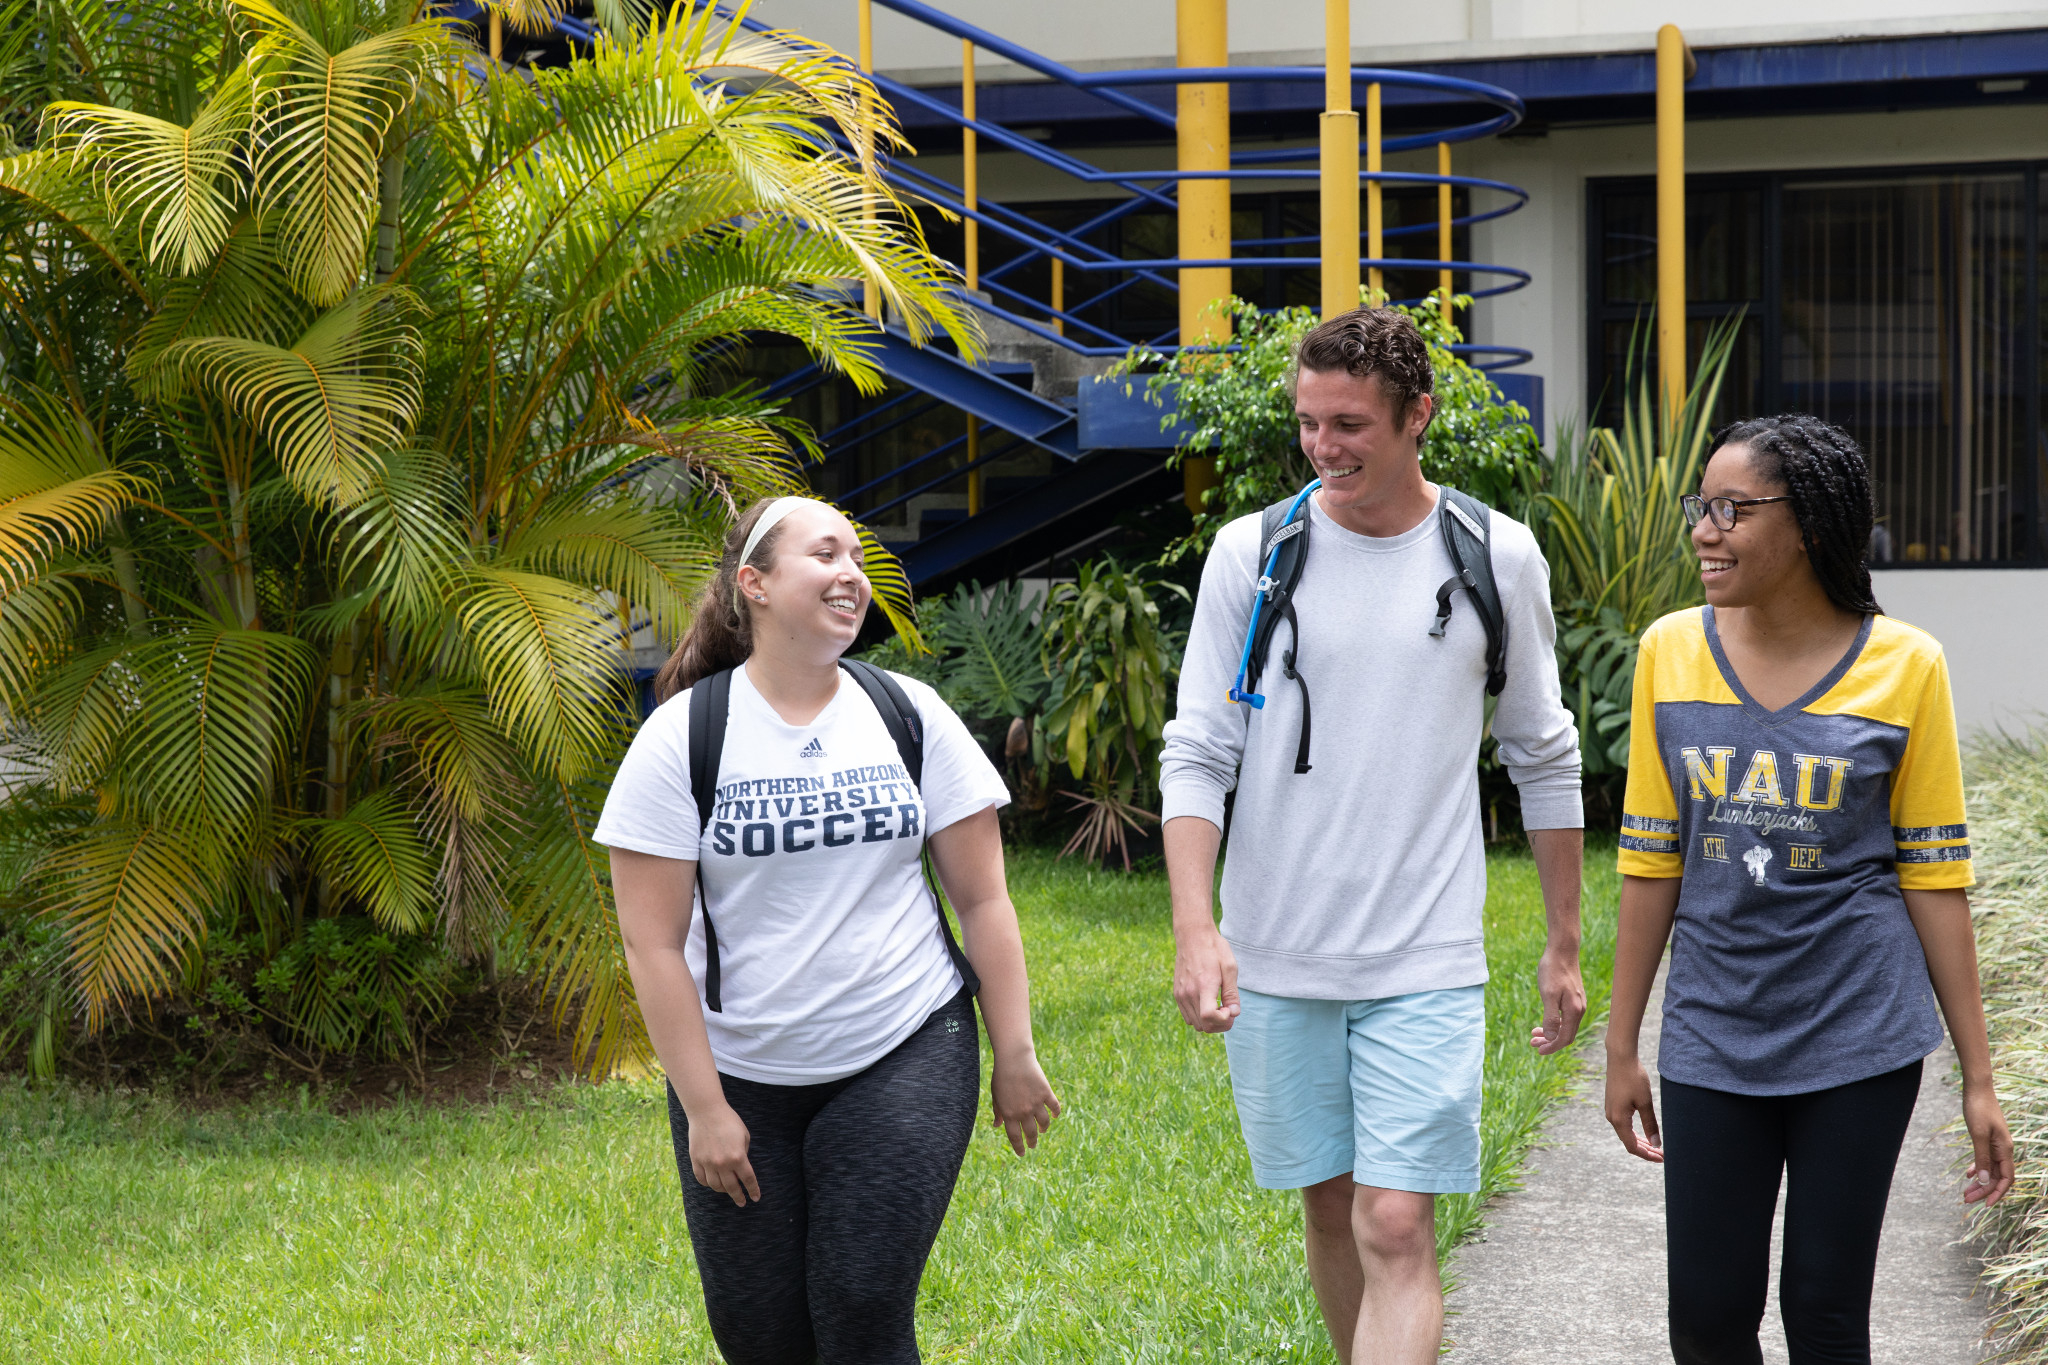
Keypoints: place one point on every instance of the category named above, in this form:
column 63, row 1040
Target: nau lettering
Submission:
column 1838, row 772
column 1819, row 781
column 1707, row 776
column 1760, row 784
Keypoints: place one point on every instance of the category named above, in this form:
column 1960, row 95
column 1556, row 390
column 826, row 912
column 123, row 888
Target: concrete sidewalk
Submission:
column 1571, row 1268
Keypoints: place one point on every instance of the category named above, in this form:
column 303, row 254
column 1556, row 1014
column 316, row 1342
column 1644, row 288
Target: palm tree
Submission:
column 356, row 413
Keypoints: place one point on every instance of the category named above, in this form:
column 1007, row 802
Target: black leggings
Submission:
column 855, row 1177
column 1722, row 1157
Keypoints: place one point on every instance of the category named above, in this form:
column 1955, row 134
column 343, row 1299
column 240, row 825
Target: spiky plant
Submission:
column 2009, row 829
column 335, row 375
column 1620, row 553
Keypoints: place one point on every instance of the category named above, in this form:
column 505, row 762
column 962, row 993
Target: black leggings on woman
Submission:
column 855, row 1177
column 1722, row 1157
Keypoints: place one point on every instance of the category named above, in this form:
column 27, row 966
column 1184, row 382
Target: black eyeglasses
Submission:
column 1724, row 511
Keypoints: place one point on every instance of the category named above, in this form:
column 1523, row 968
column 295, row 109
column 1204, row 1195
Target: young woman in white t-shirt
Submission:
column 821, row 1114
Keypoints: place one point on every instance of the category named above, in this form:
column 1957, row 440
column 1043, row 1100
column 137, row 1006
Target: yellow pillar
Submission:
column 497, row 38
column 871, row 296
column 1059, row 293
column 970, row 194
column 970, row 172
column 1339, row 164
column 1443, row 228
column 1672, row 61
column 1202, row 38
column 1375, row 240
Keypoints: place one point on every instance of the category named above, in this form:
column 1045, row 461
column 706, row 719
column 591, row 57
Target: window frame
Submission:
column 2029, row 494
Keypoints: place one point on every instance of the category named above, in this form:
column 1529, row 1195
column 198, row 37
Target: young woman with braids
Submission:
column 822, row 1103
column 1794, row 827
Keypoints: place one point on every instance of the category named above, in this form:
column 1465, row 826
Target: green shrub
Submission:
column 1241, row 403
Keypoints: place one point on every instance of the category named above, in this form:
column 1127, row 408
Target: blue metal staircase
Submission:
column 899, row 461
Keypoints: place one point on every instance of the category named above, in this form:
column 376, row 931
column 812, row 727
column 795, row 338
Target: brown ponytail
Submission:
column 721, row 633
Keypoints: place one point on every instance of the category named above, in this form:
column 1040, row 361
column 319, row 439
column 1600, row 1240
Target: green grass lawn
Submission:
column 551, row 1228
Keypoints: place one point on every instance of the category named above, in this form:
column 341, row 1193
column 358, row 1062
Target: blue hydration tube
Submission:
column 1265, row 590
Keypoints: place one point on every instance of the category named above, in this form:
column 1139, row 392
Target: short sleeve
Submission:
column 959, row 781
column 1649, row 809
column 1928, row 826
column 650, row 808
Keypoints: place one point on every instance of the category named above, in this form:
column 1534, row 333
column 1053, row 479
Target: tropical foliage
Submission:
column 1075, row 686
column 356, row 411
column 2009, row 828
column 1115, row 661
column 1619, row 550
column 1239, row 406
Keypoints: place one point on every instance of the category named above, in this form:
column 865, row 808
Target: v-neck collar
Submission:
column 1761, row 714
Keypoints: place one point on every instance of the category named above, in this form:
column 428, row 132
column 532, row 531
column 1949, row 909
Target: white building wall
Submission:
column 1993, row 626
column 1092, row 35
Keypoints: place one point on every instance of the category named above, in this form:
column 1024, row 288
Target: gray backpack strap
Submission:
column 1467, row 531
column 1291, row 537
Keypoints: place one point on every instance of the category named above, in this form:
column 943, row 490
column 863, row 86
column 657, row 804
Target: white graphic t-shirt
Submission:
column 829, row 951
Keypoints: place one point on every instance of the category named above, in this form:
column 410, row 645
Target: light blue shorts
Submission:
column 1386, row 1091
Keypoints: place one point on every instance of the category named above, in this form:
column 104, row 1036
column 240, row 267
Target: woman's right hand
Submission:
column 1628, row 1094
column 718, row 1155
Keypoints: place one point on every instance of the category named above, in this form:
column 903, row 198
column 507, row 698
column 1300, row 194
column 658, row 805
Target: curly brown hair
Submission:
column 1372, row 341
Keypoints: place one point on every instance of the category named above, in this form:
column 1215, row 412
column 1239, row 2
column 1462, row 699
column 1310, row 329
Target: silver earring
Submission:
column 760, row 597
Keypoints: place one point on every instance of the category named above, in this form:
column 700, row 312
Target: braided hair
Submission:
column 1828, row 478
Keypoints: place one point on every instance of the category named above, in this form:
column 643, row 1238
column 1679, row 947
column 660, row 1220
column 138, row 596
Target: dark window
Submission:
column 1902, row 306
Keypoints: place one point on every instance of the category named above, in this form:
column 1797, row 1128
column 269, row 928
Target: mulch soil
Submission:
column 491, row 1046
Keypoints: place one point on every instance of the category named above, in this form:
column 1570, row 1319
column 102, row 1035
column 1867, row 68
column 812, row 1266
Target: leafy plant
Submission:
column 330, row 377
column 1620, row 554
column 993, row 667
column 1240, row 403
column 1115, row 663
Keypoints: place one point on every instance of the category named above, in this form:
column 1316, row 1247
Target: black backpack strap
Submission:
column 1467, row 533
column 906, row 727
column 710, row 707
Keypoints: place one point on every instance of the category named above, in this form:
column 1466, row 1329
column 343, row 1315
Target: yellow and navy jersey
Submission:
column 1794, row 966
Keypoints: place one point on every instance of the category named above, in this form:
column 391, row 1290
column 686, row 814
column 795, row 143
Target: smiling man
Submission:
column 1348, row 972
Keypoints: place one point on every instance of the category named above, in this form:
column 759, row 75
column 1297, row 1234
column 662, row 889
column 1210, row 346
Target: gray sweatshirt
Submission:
column 1366, row 876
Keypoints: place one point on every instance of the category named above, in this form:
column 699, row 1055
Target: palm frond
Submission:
column 132, row 899
column 646, row 556
column 38, row 620
column 79, row 711
column 402, row 541
column 181, row 183
column 372, row 854
column 321, row 118
column 564, row 895
column 893, row 593
column 455, row 744
column 551, row 664
column 58, row 490
column 240, row 292
column 217, row 708
column 344, row 390
column 45, row 187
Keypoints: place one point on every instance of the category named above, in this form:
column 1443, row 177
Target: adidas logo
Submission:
column 811, row 750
